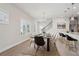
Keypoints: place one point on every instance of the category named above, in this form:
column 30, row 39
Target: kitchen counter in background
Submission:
column 64, row 50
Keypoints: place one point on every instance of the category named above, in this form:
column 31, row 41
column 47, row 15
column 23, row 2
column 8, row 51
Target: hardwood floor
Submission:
column 27, row 49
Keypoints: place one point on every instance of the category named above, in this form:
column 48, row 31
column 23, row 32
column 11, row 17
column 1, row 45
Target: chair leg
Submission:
column 37, row 49
column 75, row 45
column 34, row 46
column 30, row 42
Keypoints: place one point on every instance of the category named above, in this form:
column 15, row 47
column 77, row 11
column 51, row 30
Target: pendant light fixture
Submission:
column 72, row 18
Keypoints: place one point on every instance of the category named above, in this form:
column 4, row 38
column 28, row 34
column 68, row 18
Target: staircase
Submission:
column 48, row 26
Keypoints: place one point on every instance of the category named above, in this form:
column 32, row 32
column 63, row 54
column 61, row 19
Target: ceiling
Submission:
column 48, row 10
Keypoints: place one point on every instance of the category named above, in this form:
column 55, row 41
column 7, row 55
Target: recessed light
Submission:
column 74, row 7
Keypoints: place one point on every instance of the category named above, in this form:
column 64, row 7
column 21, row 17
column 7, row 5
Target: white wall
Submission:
column 37, row 28
column 10, row 33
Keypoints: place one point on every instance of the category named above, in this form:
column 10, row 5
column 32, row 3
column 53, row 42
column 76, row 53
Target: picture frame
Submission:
column 4, row 17
column 61, row 26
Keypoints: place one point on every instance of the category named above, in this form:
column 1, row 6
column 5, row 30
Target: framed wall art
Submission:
column 4, row 17
column 61, row 25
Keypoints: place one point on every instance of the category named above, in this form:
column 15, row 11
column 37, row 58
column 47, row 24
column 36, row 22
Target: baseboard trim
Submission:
column 13, row 45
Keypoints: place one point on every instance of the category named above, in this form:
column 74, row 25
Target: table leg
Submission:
column 48, row 47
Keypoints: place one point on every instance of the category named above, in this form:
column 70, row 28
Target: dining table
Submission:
column 47, row 38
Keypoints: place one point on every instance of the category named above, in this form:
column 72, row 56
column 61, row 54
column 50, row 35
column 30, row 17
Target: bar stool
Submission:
column 63, row 37
column 70, row 39
column 60, row 34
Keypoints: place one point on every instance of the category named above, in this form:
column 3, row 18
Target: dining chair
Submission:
column 39, row 41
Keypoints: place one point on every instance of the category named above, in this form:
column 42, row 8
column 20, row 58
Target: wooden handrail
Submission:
column 47, row 25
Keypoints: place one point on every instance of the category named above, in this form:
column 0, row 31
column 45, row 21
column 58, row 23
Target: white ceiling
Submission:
column 47, row 10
